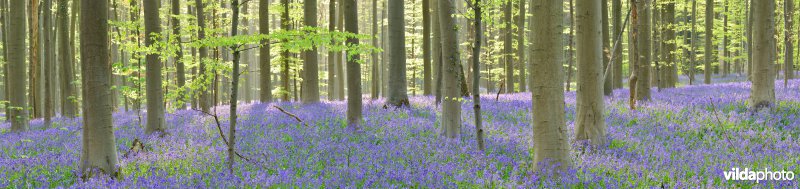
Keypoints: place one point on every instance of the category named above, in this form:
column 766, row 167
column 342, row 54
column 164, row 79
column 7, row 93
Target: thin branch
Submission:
column 291, row 115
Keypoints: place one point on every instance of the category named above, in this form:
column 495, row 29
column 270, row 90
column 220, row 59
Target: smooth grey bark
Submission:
column 155, row 93
column 693, row 41
column 98, row 152
column 643, row 47
column 397, row 90
column 354, row 104
column 204, row 97
column 16, row 66
column 376, row 73
column 331, row 54
column 607, row 80
column 436, row 40
column 180, row 69
column 709, row 48
column 4, row 22
column 264, row 55
column 550, row 142
column 521, row 44
column 285, row 54
column 476, row 73
column 788, row 64
column 34, row 60
column 590, row 122
column 310, row 65
column 507, row 48
column 616, row 11
column 237, row 53
column 451, row 85
column 762, row 93
column 340, row 58
column 669, row 34
column 69, row 106
column 48, row 64
column 426, row 49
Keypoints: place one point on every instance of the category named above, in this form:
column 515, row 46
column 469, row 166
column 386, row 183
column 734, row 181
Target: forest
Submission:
column 399, row 94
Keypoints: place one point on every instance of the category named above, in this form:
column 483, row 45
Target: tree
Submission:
column 99, row 151
column 606, row 51
column 692, row 41
column 523, row 86
column 16, row 66
column 68, row 103
column 788, row 64
column 590, row 120
column 762, row 93
column 643, row 46
column 451, row 87
column 285, row 54
column 263, row 52
column 436, row 40
column 180, row 70
column 426, row 48
column 237, row 53
column 350, row 9
column 310, row 64
column 670, row 43
column 48, row 62
column 376, row 66
column 332, row 82
column 616, row 11
column 155, row 93
column 204, row 98
column 507, row 48
column 709, row 48
column 398, row 92
column 550, row 142
column 34, row 71
column 476, row 72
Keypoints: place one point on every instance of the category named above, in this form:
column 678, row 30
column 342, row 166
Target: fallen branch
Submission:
column 221, row 134
column 291, row 115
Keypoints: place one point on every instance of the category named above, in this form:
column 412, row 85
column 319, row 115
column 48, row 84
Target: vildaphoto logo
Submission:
column 758, row 175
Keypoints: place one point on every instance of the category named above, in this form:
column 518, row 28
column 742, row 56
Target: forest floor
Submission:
column 684, row 138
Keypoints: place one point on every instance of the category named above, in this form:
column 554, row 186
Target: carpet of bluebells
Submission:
column 683, row 138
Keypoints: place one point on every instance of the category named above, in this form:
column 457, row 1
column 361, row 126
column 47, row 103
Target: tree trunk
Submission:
column 788, row 65
column 426, row 49
column 331, row 54
column 762, row 94
column 180, row 70
column 476, row 78
column 310, row 64
column 285, row 54
column 570, row 42
column 606, row 51
column 616, row 6
column 34, row 72
column 353, row 67
column 99, row 151
column 155, row 93
column 550, row 141
column 643, row 46
column 590, row 120
column 709, row 48
column 507, row 48
column 376, row 68
column 340, row 61
column 398, row 96
column 16, row 66
column 234, row 87
column 48, row 61
column 523, row 85
column 669, row 35
column 451, row 86
column 693, row 40
column 204, row 97
column 437, row 51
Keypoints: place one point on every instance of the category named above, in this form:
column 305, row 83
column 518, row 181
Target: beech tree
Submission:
column 310, row 65
column 155, row 93
column 762, row 93
column 264, row 53
column 396, row 49
column 354, row 104
column 451, row 85
column 18, row 110
column 590, row 122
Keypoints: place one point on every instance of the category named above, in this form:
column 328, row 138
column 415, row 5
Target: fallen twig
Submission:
column 221, row 134
column 292, row 115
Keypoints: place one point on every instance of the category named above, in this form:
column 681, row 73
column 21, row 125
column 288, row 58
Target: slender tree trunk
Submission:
column 398, row 96
column 331, row 55
column 6, row 89
column 285, row 54
column 437, row 51
column 508, row 48
column 155, row 94
column 788, row 65
column 476, row 74
column 180, row 69
column 762, row 93
column 234, row 87
column 669, row 35
column 204, row 97
column 16, row 66
column 616, row 6
column 571, row 42
column 692, row 38
column 310, row 64
column 264, row 53
column 99, row 151
column 48, row 61
column 33, row 59
column 426, row 49
column 590, row 120
column 607, row 79
column 340, row 58
column 451, row 106
column 643, row 46
column 550, row 142
column 354, row 104
column 523, row 85
column 725, row 60
column 376, row 73
column 709, row 48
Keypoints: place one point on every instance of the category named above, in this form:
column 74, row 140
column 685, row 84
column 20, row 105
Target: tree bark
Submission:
column 437, row 51
column 354, row 104
column 426, row 49
column 669, row 35
column 762, row 94
column 709, row 48
column 331, row 54
column 180, row 70
column 234, row 87
column 204, row 97
column 590, row 120
column 48, row 62
column 34, row 71
column 521, row 45
column 155, row 93
column 550, row 143
column 99, row 151
column 606, row 51
column 398, row 96
column 788, row 64
column 616, row 6
column 285, row 91
column 451, row 85
column 507, row 48
column 16, row 66
column 476, row 73
column 376, row 67
column 643, row 46
column 693, row 40
column 310, row 65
